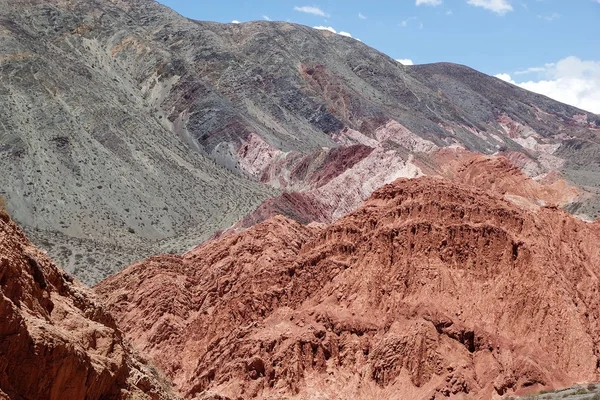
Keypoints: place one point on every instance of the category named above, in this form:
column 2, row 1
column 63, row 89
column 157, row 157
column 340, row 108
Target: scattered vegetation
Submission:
column 580, row 391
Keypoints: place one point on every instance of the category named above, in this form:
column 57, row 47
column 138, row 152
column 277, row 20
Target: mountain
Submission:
column 128, row 130
column 331, row 222
column 56, row 340
column 90, row 170
column 431, row 289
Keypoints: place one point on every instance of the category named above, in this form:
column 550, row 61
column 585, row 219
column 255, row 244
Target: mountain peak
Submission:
column 117, row 109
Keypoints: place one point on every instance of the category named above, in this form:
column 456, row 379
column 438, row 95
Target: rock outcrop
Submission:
column 56, row 339
column 430, row 289
column 128, row 130
column 346, row 191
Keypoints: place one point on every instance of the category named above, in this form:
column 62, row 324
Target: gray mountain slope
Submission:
column 121, row 120
column 83, row 153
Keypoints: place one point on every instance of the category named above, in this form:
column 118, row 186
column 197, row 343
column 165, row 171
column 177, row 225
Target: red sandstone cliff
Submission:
column 56, row 340
column 430, row 289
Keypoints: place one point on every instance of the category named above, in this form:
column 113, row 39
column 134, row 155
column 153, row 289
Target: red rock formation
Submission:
column 56, row 340
column 500, row 175
column 351, row 186
column 431, row 289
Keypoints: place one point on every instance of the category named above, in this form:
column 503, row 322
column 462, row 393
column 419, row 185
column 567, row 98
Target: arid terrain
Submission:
column 430, row 289
column 266, row 210
column 57, row 340
column 128, row 130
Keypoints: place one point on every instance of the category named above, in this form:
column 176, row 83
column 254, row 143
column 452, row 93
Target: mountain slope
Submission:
column 56, row 340
column 128, row 129
column 84, row 154
column 430, row 289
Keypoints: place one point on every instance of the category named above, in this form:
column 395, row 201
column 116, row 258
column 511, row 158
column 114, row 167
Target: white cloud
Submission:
column 311, row 10
column 505, row 78
column 498, row 6
column 361, row 16
column 330, row 29
column 551, row 17
column 405, row 61
column 570, row 80
column 266, row 18
column 533, row 70
column 325, row 28
column 429, row 2
column 235, row 21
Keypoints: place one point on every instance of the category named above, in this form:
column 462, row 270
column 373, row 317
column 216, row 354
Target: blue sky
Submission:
column 549, row 46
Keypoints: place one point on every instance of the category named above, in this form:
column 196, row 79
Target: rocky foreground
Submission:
column 431, row 289
column 56, row 339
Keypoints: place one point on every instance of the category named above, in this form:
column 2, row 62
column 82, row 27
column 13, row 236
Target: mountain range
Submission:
column 267, row 210
column 130, row 130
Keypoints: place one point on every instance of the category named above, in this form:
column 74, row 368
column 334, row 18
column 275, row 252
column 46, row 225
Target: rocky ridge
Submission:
column 130, row 130
column 57, row 341
column 330, row 199
column 430, row 289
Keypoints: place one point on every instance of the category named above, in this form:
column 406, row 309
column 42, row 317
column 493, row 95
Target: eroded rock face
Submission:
column 56, row 340
column 345, row 191
column 431, row 289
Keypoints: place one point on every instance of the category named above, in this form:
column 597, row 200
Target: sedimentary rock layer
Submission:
column 430, row 289
column 128, row 130
column 56, row 339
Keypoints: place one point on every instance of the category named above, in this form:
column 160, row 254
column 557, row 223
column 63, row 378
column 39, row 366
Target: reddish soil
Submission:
column 429, row 290
column 494, row 173
column 56, row 340
column 500, row 175
column 337, row 161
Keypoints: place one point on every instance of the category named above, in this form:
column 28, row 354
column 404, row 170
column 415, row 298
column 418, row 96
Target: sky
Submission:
column 547, row 46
